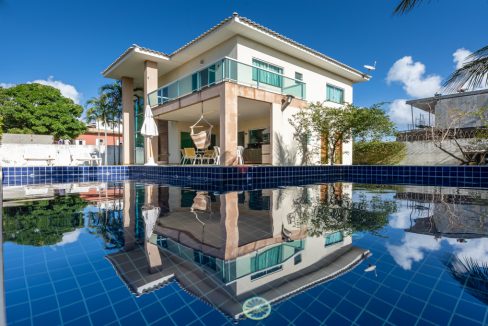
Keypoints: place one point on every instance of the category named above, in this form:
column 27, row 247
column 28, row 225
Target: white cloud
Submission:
column 400, row 113
column 412, row 75
column 6, row 85
column 414, row 246
column 459, row 57
column 67, row 90
column 70, row 237
column 412, row 249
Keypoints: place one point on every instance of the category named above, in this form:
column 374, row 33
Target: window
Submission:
column 333, row 238
column 298, row 77
column 335, row 94
column 267, row 73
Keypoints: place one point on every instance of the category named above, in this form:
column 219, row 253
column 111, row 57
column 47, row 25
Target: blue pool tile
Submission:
column 73, row 311
column 336, row 319
column 435, row 315
column 50, row 318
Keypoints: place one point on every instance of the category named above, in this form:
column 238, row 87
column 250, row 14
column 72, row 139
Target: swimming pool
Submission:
column 124, row 252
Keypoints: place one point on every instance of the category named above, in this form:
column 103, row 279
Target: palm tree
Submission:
column 98, row 110
column 473, row 74
column 114, row 93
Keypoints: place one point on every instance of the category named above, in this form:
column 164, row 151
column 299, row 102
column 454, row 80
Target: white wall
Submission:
column 315, row 78
column 14, row 154
column 225, row 49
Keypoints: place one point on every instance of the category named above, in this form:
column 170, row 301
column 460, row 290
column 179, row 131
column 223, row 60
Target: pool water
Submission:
column 337, row 254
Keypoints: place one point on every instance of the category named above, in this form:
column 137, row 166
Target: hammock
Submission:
column 201, row 139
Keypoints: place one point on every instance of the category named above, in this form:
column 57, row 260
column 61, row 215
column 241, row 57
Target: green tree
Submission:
column 338, row 212
column 40, row 109
column 99, row 110
column 473, row 74
column 43, row 222
column 338, row 125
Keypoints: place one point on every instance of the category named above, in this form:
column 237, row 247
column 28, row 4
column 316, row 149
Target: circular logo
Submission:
column 256, row 308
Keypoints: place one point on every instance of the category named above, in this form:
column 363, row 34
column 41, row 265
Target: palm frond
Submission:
column 473, row 74
column 472, row 274
column 406, row 5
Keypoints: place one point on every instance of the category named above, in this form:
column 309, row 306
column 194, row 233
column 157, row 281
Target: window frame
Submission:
column 327, row 85
column 257, row 79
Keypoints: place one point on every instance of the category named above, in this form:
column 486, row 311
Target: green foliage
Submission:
column 43, row 222
column 337, row 125
column 378, row 152
column 341, row 213
column 40, row 109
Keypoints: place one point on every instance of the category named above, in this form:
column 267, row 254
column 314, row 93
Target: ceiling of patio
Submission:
column 247, row 110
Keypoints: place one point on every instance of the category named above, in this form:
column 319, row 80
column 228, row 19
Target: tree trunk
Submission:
column 106, row 141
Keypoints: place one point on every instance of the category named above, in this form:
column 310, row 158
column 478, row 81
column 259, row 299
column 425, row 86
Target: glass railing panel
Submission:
column 231, row 70
column 152, row 98
column 173, row 91
column 185, row 85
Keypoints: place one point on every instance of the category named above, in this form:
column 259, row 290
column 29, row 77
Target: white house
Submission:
column 246, row 79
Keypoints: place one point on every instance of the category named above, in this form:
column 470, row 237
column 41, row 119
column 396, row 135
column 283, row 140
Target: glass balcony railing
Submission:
column 228, row 70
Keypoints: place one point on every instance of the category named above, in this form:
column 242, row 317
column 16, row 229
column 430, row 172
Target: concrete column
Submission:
column 229, row 217
column 150, row 85
column 129, row 216
column 228, row 124
column 163, row 141
column 128, row 120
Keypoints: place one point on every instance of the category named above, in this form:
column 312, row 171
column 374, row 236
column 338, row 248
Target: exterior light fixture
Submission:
column 286, row 101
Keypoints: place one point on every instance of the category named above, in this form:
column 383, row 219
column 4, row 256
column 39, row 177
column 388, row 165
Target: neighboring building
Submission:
column 246, row 79
column 442, row 112
column 95, row 135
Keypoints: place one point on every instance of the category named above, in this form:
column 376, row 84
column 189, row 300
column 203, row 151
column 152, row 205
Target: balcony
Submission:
column 228, row 70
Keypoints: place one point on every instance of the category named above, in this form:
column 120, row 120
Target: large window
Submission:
column 333, row 238
column 335, row 94
column 267, row 73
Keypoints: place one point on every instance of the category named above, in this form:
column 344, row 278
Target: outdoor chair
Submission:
column 191, row 155
column 216, row 155
column 208, row 155
column 240, row 151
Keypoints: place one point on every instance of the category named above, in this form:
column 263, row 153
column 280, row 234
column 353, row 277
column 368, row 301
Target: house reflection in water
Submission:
column 226, row 248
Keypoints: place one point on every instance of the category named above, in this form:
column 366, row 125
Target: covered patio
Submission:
column 252, row 134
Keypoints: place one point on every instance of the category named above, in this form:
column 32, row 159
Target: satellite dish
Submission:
column 370, row 68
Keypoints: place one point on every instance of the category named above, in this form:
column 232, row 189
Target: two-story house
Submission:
column 245, row 79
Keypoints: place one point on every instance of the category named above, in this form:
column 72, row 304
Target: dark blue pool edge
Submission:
column 251, row 177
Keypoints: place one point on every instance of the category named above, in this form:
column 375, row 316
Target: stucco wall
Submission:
column 425, row 153
column 225, row 49
column 315, row 78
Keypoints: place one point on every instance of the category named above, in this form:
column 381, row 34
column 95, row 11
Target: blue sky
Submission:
column 73, row 41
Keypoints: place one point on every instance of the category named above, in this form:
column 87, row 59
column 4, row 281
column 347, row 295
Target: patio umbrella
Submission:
column 149, row 130
column 150, row 214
